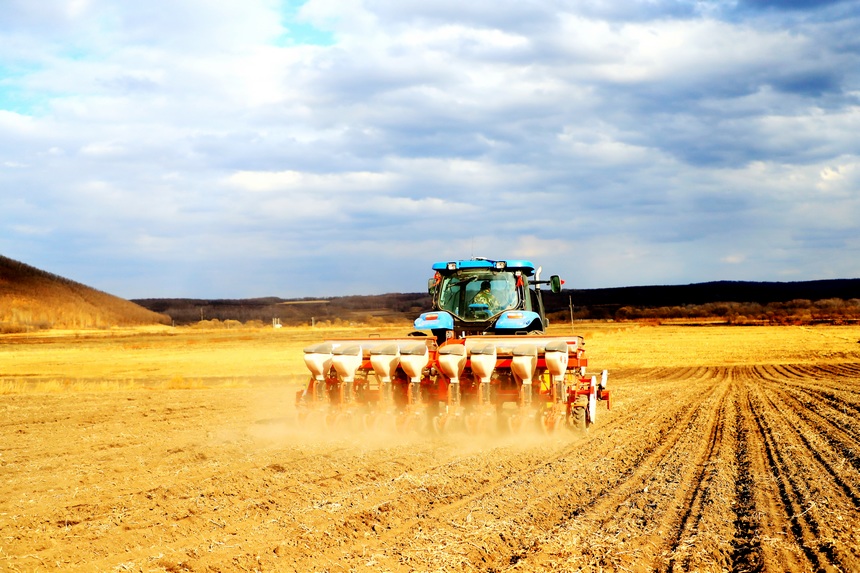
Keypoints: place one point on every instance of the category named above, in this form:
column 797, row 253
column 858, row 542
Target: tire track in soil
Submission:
column 838, row 430
column 550, row 506
column 765, row 512
column 726, row 494
column 281, row 505
column 811, row 427
column 649, row 457
column 439, row 497
column 659, row 490
column 789, row 492
column 698, row 491
column 688, row 509
column 844, row 370
column 792, row 462
column 834, row 399
column 819, row 384
column 824, row 401
column 747, row 553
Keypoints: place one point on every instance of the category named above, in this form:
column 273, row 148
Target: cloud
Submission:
column 615, row 143
column 310, row 182
column 792, row 5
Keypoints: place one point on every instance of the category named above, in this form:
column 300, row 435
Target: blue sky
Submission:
column 226, row 148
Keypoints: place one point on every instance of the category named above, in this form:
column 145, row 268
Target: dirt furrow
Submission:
column 820, row 378
column 798, row 478
column 837, row 400
column 825, row 440
column 497, row 525
column 442, row 503
column 787, row 373
column 634, row 522
column 708, row 487
column 747, row 554
column 840, row 399
column 846, row 370
column 839, row 408
column 767, row 511
column 840, row 431
column 482, row 510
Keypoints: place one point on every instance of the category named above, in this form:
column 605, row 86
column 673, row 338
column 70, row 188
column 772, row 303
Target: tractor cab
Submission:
column 476, row 294
column 481, row 296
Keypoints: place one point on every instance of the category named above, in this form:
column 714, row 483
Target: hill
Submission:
column 32, row 299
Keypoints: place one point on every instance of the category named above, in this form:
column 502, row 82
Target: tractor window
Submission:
column 462, row 294
column 450, row 297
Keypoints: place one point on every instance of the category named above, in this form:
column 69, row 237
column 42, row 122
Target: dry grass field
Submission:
column 726, row 449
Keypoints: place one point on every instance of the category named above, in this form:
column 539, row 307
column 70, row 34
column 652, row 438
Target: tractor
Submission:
column 478, row 361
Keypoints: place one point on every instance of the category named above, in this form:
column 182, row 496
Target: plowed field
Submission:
column 726, row 449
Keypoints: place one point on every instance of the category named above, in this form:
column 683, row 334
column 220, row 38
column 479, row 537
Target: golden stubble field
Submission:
column 727, row 449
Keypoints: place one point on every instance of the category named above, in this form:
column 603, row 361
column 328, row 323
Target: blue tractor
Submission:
column 482, row 296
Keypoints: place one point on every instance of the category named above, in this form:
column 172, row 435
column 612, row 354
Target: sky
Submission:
column 249, row 148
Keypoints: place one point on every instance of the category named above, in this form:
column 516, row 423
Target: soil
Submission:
column 748, row 466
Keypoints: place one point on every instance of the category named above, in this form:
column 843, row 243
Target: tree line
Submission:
column 798, row 311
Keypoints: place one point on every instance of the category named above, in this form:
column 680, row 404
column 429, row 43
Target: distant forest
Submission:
column 724, row 301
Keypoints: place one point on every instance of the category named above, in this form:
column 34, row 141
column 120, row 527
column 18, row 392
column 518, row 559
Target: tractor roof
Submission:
column 527, row 267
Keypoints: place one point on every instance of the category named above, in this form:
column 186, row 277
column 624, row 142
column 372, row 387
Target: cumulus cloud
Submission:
column 617, row 143
column 309, row 182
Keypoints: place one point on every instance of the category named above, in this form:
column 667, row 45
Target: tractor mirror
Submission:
column 431, row 286
column 555, row 283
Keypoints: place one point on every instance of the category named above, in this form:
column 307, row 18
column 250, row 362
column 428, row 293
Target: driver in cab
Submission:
column 485, row 297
